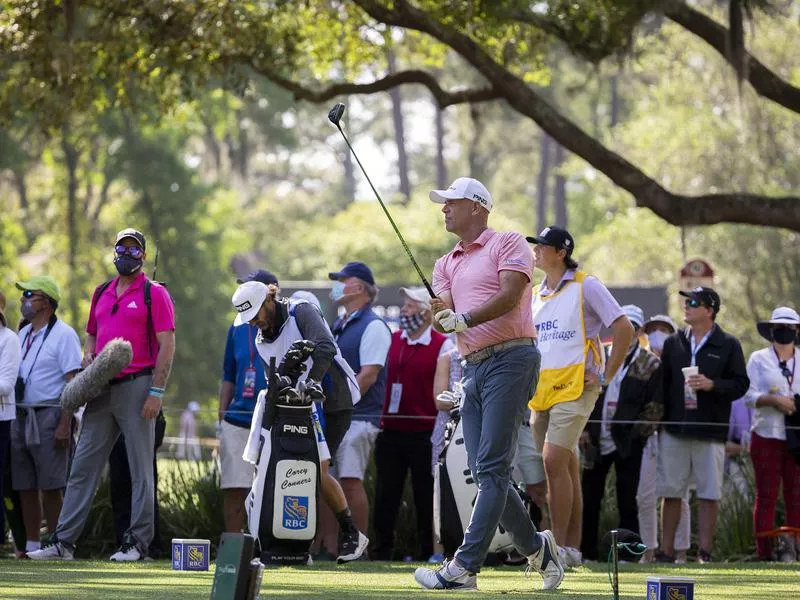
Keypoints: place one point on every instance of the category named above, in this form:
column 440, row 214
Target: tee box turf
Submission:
column 670, row 588
column 190, row 555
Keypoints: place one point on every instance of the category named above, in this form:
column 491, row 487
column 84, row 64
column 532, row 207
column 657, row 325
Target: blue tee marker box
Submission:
column 670, row 588
column 190, row 555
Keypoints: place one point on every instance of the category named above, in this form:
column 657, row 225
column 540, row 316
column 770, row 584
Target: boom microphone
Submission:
column 89, row 383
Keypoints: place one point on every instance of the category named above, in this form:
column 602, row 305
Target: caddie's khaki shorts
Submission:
column 563, row 423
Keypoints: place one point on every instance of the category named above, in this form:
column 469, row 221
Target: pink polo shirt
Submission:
column 129, row 320
column 472, row 276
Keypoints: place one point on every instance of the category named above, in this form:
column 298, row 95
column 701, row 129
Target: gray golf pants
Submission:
column 496, row 391
column 116, row 411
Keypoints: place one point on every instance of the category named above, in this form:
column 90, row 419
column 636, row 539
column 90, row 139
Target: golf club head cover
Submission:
column 293, row 363
column 89, row 383
column 312, row 390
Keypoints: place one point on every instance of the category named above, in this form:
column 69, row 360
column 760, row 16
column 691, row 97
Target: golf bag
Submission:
column 282, row 504
column 454, row 493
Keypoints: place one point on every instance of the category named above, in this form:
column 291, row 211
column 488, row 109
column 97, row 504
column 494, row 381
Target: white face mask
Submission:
column 657, row 339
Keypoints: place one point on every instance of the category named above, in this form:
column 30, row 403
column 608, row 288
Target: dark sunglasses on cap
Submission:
column 29, row 294
column 693, row 303
column 133, row 251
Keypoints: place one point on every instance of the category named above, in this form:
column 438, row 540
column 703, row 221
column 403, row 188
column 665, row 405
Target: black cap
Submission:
column 133, row 234
column 354, row 269
column 557, row 237
column 706, row 295
column 262, row 275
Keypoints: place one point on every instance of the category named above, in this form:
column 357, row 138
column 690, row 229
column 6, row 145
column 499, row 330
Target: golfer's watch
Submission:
column 467, row 319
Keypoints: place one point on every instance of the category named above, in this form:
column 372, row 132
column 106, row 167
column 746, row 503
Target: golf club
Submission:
column 334, row 116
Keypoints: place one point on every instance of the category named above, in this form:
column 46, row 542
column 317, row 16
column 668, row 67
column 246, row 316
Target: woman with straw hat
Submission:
column 774, row 387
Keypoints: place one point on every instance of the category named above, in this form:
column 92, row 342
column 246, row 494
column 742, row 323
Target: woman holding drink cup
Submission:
column 774, row 387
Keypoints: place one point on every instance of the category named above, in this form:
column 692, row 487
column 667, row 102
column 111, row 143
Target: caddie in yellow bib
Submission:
column 562, row 343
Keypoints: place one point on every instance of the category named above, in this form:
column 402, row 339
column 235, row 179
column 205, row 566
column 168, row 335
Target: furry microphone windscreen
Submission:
column 89, row 383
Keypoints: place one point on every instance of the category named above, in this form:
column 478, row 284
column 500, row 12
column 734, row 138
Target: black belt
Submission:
column 132, row 376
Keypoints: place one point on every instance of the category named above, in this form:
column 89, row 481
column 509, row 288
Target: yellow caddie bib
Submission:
column 562, row 343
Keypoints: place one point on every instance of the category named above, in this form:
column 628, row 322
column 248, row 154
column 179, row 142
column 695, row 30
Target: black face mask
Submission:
column 783, row 335
column 127, row 265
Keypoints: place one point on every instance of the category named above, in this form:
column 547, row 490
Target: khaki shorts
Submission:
column 563, row 423
column 683, row 460
column 235, row 472
column 528, row 466
column 355, row 450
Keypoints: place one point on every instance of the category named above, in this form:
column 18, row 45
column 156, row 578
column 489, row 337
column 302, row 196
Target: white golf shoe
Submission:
column 449, row 576
column 545, row 561
column 55, row 550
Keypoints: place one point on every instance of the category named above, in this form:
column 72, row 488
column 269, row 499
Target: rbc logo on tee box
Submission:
column 295, row 512
column 190, row 555
column 670, row 588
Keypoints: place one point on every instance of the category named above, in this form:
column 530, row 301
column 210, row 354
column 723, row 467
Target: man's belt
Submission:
column 132, row 376
column 485, row 353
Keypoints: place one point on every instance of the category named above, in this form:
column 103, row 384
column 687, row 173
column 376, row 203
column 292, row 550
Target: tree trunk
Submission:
column 560, row 189
column 71, row 163
column 541, row 185
column 441, row 166
column 476, row 166
column 399, row 131
column 614, row 85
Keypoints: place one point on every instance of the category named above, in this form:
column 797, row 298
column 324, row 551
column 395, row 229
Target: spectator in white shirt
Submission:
column 41, row 435
column 774, row 385
column 9, row 367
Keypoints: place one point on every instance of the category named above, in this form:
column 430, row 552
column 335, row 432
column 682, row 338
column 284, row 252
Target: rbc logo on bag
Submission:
column 295, row 512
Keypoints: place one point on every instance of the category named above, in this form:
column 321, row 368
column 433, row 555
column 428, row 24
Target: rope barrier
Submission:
column 390, row 417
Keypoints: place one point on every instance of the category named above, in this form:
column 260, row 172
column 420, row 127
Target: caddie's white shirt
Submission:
column 45, row 377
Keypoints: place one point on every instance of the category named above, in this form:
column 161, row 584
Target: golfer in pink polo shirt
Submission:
column 483, row 289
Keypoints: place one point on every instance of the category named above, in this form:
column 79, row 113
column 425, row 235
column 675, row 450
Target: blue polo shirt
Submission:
column 240, row 355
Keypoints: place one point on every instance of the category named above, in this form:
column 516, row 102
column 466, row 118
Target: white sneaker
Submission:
column 52, row 551
column 574, row 557
column 546, row 561
column 449, row 576
column 352, row 547
column 126, row 553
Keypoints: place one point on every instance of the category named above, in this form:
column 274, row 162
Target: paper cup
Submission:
column 690, row 372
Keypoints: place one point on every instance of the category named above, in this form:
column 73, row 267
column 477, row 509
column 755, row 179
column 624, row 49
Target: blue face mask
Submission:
column 337, row 291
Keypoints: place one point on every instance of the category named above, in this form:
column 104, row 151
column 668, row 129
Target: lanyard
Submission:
column 695, row 348
column 785, row 369
column 30, row 343
column 250, row 340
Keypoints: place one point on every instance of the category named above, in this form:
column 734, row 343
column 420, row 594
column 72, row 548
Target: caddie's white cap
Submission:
column 466, row 188
column 247, row 300
column 418, row 294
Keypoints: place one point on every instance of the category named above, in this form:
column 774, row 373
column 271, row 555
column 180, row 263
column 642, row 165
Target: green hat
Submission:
column 42, row 283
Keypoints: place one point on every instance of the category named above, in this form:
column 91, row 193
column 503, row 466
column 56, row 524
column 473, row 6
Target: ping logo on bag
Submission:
column 301, row 429
column 295, row 512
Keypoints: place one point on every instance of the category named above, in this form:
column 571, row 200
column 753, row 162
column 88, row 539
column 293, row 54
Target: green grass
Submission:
column 90, row 580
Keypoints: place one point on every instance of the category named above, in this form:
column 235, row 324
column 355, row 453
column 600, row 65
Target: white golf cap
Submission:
column 418, row 294
column 635, row 315
column 194, row 406
column 464, row 188
column 247, row 300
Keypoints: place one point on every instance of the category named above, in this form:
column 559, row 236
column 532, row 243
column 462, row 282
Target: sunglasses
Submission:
column 693, row 303
column 133, row 251
column 31, row 295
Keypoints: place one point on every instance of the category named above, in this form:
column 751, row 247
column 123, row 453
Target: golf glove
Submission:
column 449, row 397
column 451, row 321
